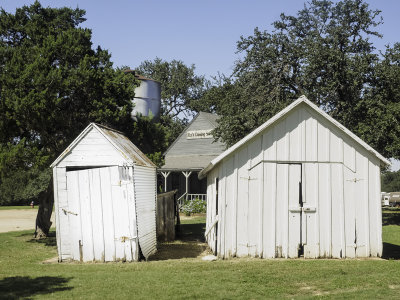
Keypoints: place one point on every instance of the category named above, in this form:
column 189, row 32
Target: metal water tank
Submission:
column 147, row 98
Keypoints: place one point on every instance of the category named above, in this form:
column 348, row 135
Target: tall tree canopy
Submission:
column 180, row 86
column 325, row 53
column 52, row 84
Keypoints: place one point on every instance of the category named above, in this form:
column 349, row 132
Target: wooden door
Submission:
column 101, row 214
column 295, row 210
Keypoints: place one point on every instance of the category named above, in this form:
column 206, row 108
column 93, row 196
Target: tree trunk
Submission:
column 46, row 202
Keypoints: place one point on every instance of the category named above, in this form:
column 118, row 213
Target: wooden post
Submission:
column 165, row 174
column 187, row 174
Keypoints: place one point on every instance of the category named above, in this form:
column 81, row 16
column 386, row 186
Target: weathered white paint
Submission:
column 260, row 179
column 100, row 194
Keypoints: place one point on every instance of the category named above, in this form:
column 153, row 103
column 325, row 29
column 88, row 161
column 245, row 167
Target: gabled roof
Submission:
column 281, row 115
column 211, row 118
column 121, row 143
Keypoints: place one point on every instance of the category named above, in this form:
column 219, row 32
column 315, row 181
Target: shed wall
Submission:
column 340, row 180
column 92, row 150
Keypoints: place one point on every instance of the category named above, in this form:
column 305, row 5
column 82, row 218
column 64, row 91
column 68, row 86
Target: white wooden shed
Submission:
column 105, row 198
column 301, row 184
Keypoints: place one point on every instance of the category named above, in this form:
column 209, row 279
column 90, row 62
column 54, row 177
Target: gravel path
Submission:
column 18, row 219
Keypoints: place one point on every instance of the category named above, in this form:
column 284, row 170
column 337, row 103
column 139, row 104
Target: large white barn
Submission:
column 301, row 184
column 104, row 198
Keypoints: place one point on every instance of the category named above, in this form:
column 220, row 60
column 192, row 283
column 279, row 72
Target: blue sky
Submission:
column 203, row 33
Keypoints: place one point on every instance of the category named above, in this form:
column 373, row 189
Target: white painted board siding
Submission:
column 92, row 150
column 99, row 215
column 340, row 192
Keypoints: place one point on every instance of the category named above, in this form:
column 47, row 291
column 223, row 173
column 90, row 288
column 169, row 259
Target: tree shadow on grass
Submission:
column 390, row 251
column 191, row 232
column 50, row 241
column 25, row 287
column 189, row 243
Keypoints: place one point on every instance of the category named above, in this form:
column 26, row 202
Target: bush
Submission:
column 194, row 206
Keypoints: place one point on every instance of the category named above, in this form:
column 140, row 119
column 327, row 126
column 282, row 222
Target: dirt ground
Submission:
column 18, row 219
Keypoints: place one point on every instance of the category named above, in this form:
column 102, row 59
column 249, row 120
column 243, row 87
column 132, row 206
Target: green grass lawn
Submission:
column 23, row 275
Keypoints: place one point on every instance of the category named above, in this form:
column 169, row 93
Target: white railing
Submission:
column 185, row 197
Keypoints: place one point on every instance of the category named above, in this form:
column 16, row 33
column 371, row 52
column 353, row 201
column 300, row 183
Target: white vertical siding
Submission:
column 243, row 204
column 100, row 215
column 340, row 193
column 63, row 232
column 311, row 197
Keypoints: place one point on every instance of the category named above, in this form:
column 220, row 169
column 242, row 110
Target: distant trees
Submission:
column 390, row 181
column 325, row 53
column 181, row 87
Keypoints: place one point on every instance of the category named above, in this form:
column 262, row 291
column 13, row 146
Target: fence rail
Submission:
column 190, row 197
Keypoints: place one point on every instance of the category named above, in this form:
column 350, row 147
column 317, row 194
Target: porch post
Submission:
column 187, row 174
column 165, row 174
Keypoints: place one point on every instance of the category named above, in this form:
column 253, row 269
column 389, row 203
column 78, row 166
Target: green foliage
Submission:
column 194, row 206
column 325, row 53
column 52, row 84
column 390, row 181
column 180, row 86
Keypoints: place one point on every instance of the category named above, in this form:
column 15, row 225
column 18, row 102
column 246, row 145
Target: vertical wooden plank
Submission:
column 260, row 182
column 325, row 209
column 75, row 214
column 293, row 127
column 243, row 204
column 270, row 200
column 254, row 208
column 97, row 214
column 311, row 196
column 62, row 199
column 361, row 199
column 255, row 151
column 108, row 215
column 119, row 212
column 282, row 142
column 269, row 145
column 349, row 212
column 221, row 210
column 311, row 136
column 349, row 155
column 374, row 218
column 294, row 210
column 323, row 143
column 235, row 205
column 126, row 203
column 228, row 207
column 86, row 216
column 130, row 189
column 57, row 213
column 281, row 221
column 337, row 210
column 302, row 126
column 336, row 148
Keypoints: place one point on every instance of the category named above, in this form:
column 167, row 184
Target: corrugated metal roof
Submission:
column 280, row 115
column 122, row 144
